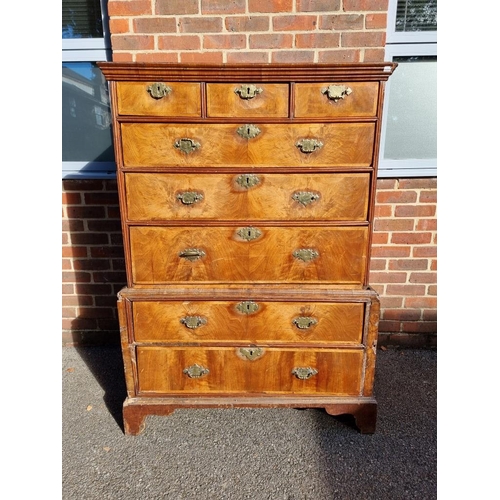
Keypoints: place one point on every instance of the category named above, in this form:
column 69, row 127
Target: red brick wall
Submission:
column 403, row 267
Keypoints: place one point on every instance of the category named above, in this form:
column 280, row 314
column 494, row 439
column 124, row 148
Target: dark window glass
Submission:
column 81, row 19
column 86, row 116
column 416, row 15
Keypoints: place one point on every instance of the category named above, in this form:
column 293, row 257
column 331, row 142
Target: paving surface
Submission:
column 275, row 454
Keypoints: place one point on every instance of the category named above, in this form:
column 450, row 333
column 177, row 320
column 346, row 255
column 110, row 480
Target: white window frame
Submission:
column 88, row 50
column 420, row 43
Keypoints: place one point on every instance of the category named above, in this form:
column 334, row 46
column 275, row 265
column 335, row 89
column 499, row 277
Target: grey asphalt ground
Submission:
column 239, row 454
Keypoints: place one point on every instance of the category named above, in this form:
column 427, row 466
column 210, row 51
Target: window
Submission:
column 87, row 147
column 409, row 130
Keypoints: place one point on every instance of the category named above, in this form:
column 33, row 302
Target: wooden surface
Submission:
column 178, row 313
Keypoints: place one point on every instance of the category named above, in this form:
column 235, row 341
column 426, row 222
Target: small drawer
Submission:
column 254, row 321
column 246, row 369
column 159, row 99
column 331, row 100
column 258, row 196
column 247, row 100
column 267, row 145
column 165, row 255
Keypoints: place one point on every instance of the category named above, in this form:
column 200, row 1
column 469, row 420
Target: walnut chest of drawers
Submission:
column 247, row 198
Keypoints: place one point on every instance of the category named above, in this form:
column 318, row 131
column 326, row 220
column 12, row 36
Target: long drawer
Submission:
column 249, row 370
column 248, row 321
column 277, row 145
column 261, row 196
column 162, row 255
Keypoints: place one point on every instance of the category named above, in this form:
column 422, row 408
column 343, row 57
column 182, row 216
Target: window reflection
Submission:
column 86, row 116
column 81, row 19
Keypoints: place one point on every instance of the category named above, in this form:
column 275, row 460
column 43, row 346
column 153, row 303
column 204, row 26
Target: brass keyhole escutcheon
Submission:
column 249, row 233
column 248, row 131
column 158, row 90
column 247, row 307
column 248, row 91
column 247, row 180
column 251, row 353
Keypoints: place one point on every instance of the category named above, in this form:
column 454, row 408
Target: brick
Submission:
column 375, row 5
column 68, row 312
column 433, row 266
column 111, row 185
column 176, row 7
column 432, row 290
column 389, row 326
column 66, row 264
column 201, row 57
column 106, row 251
column 101, row 198
column 419, row 326
column 374, row 55
column 391, row 302
column 378, row 264
column 118, row 264
column 408, row 265
column 380, row 238
column 341, row 56
column 428, row 197
column 222, row 6
column 94, row 289
column 89, row 239
column 183, row 42
column 271, row 41
column 415, row 211
column 132, row 42
column 155, row 25
column 391, row 251
column 107, row 226
column 95, row 312
column 422, row 302
column 394, row 224
column 65, row 238
column 71, row 198
column 396, row 197
column 363, row 39
column 375, row 21
column 383, row 211
column 104, row 301
column 113, row 212
column 123, row 57
column 79, row 324
column 118, row 26
column 317, row 5
column 247, row 23
column 425, row 251
column 386, row 184
column 248, row 57
column 294, row 23
column 200, row 25
column 387, row 277
column 411, row 238
column 80, row 300
column 320, row 40
column 75, row 277
column 429, row 315
column 292, row 56
column 406, row 290
column 109, row 277
column 108, row 324
column 270, row 6
column 423, row 278
column 74, row 251
column 154, row 57
column 402, row 314
column 224, row 41
column 130, row 8
column 91, row 264
column 68, row 289
column 342, row 22
column 427, row 225
column 418, row 183
column 82, row 185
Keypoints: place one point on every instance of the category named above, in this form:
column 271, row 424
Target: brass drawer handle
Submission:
column 308, row 146
column 247, row 307
column 306, row 254
column 249, row 233
column 247, row 180
column 304, row 373
column 196, row 371
column 159, row 90
column 189, row 197
column 187, row 145
column 192, row 254
column 251, row 353
column 248, row 91
column 193, row 322
column 336, row 92
column 304, row 322
column 305, row 197
column 248, row 131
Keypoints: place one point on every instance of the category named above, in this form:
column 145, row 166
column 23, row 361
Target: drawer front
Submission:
column 261, row 196
column 205, row 145
column 138, row 99
column 248, row 322
column 214, row 370
column 319, row 100
column 247, row 100
column 162, row 255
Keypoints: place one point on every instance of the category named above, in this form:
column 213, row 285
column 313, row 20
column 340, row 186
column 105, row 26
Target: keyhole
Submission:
column 248, row 307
